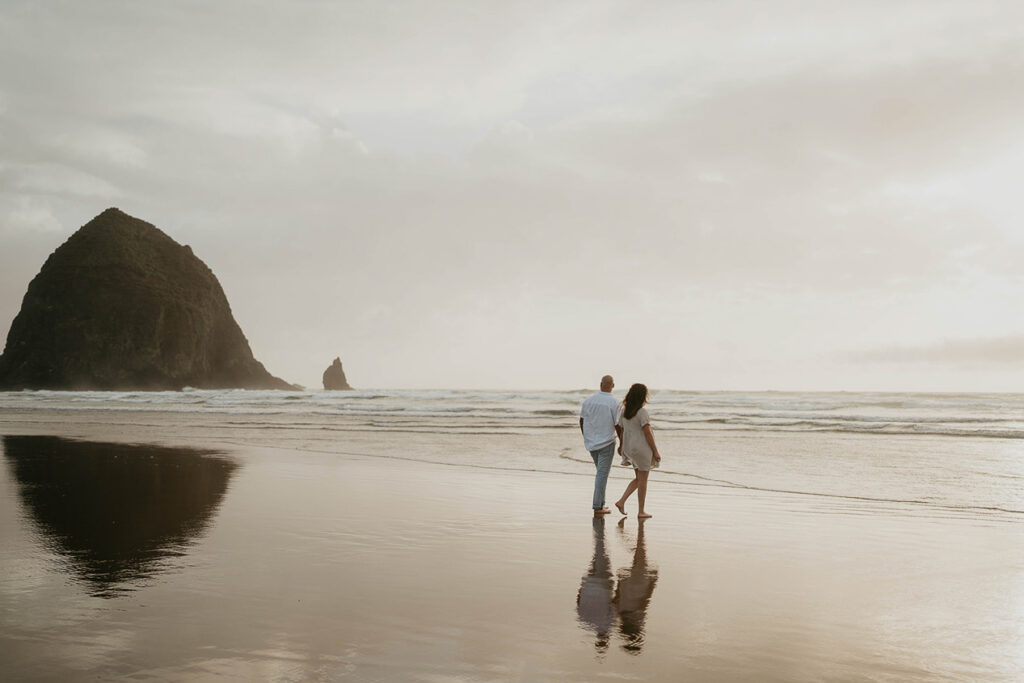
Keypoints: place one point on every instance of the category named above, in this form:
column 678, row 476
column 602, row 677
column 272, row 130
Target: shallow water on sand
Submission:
column 949, row 454
column 295, row 565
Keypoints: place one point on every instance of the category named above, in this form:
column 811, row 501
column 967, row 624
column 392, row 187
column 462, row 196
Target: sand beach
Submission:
column 155, row 545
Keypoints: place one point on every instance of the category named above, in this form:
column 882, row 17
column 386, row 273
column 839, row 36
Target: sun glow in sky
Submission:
column 697, row 195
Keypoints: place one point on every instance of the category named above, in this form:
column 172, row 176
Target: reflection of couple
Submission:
column 602, row 600
column 601, row 420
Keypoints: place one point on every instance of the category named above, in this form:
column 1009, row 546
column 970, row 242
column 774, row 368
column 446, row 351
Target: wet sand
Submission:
column 291, row 565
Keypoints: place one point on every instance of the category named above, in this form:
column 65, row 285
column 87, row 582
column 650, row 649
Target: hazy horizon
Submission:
column 755, row 196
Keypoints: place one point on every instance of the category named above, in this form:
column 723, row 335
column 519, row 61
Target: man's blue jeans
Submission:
column 603, row 461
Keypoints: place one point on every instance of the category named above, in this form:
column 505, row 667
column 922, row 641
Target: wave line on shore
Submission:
column 703, row 481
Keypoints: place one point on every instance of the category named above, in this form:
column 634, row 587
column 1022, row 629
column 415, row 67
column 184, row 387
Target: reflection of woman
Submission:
column 633, row 594
column 636, row 444
column 594, row 601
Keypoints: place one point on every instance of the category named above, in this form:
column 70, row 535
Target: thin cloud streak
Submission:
column 998, row 351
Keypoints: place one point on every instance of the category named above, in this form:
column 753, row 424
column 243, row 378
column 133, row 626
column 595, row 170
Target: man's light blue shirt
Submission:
column 598, row 413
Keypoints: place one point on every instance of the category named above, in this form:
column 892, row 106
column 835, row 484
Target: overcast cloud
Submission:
column 707, row 195
column 968, row 352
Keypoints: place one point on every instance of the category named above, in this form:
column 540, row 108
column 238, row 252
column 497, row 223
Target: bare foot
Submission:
column 602, row 511
column 621, row 508
column 644, row 515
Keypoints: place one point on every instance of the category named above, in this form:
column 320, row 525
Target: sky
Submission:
column 734, row 195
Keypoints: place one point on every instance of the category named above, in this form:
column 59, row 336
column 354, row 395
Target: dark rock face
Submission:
column 334, row 376
column 120, row 305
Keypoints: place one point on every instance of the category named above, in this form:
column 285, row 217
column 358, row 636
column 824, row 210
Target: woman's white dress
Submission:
column 634, row 444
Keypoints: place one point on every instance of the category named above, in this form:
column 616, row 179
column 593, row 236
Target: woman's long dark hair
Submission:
column 634, row 401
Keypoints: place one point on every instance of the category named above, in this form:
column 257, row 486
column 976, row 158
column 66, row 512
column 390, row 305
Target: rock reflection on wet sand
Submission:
column 116, row 512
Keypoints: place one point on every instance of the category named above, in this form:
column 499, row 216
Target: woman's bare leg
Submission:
column 641, row 492
column 630, row 487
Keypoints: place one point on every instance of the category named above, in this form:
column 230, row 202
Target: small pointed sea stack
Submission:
column 334, row 376
column 120, row 305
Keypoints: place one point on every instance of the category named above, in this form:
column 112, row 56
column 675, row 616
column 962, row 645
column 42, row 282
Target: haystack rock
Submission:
column 120, row 305
column 334, row 376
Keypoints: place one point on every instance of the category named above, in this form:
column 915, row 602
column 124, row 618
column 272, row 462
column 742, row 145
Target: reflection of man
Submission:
column 597, row 422
column 594, row 601
column 633, row 594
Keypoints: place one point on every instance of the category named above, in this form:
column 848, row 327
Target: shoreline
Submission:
column 331, row 565
column 200, row 430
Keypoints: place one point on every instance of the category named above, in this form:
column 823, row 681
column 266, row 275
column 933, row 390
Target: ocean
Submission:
column 939, row 454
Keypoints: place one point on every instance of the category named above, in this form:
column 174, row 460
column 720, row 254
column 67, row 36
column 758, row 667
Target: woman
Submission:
column 636, row 444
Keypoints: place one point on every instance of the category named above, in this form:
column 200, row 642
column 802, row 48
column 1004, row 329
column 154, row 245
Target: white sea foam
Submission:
column 971, row 415
column 953, row 451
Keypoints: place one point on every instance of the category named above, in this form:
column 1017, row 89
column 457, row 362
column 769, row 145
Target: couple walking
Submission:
column 602, row 419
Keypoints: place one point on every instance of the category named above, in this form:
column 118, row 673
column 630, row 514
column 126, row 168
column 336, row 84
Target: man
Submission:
column 597, row 422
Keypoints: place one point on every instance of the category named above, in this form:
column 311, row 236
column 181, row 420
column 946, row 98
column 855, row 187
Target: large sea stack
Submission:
column 120, row 305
